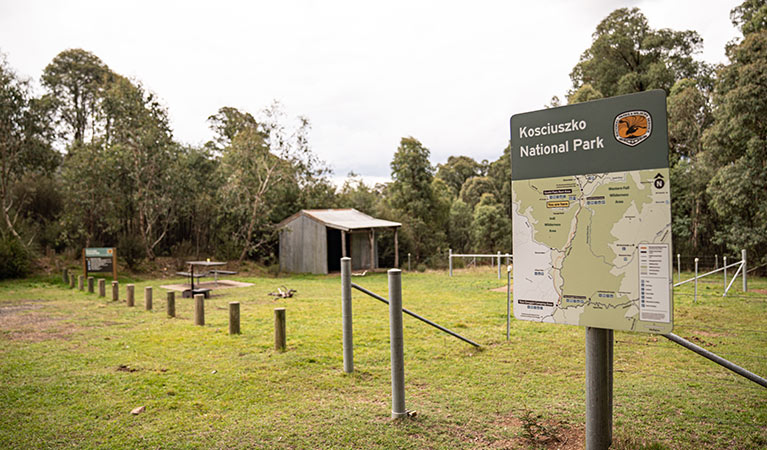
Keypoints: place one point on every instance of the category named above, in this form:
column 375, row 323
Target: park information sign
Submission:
column 100, row 260
column 592, row 214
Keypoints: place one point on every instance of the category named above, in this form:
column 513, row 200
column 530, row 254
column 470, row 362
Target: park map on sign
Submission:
column 595, row 250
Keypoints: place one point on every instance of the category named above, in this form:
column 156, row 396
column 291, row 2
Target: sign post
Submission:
column 100, row 260
column 591, row 214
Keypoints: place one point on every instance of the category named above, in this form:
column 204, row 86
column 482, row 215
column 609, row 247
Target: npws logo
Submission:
column 632, row 127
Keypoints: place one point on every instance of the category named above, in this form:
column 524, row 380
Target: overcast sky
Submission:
column 365, row 73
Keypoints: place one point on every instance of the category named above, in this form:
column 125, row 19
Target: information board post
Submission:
column 598, row 389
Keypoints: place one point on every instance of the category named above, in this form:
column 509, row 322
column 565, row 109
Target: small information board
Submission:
column 100, row 260
column 591, row 213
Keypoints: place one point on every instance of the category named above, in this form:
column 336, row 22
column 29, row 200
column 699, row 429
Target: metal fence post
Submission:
column 598, row 383
column 679, row 267
column 745, row 282
column 724, row 259
column 499, row 265
column 396, row 338
column 450, row 260
column 408, row 262
column 346, row 312
column 695, row 297
column 716, row 260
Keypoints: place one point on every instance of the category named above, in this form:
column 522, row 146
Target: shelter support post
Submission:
column 396, row 248
column 343, row 243
column 371, row 236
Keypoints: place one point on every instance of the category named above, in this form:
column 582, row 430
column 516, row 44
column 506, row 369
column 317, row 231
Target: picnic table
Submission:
column 192, row 264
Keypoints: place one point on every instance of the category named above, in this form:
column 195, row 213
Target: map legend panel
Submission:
column 654, row 282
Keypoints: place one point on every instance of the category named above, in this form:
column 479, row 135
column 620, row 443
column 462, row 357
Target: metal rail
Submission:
column 717, row 359
column 422, row 319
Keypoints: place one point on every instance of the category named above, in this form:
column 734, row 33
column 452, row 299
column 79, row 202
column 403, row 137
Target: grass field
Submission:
column 73, row 366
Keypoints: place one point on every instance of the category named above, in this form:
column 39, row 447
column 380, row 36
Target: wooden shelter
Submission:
column 314, row 240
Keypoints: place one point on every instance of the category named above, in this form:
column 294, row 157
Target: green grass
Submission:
column 61, row 382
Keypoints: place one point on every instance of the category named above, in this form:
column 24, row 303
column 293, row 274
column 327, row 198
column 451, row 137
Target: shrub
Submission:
column 130, row 248
column 14, row 259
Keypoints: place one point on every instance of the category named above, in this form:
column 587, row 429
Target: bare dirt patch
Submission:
column 545, row 434
column 26, row 322
column 501, row 289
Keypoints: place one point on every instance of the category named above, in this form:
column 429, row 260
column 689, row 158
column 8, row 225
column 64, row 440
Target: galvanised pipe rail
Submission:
column 717, row 359
column 422, row 319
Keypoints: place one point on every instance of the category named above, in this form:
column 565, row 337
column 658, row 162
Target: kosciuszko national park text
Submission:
column 564, row 146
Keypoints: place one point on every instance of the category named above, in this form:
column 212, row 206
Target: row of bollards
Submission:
column 280, row 335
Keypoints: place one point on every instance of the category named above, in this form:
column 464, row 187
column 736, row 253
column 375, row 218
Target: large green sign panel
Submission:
column 592, row 214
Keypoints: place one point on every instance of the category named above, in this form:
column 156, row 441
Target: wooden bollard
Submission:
column 115, row 291
column 91, row 282
column 71, row 281
column 130, row 300
column 65, row 276
column 279, row 329
column 102, row 287
column 148, row 298
column 234, row 317
column 199, row 309
column 170, row 305
column 81, row 282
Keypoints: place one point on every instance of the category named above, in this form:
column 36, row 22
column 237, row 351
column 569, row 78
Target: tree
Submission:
column 263, row 163
column 736, row 143
column 456, row 171
column 628, row 56
column 460, row 227
column 689, row 115
column 412, row 197
column 24, row 144
column 76, row 80
column 491, row 228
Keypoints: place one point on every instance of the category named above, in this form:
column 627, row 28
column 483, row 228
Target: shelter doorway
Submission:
column 334, row 249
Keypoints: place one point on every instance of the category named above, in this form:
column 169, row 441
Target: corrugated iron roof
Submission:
column 342, row 219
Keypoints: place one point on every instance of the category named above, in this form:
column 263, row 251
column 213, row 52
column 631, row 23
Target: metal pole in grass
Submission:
column 499, row 265
column 199, row 309
column 695, row 297
column 745, row 283
column 148, row 298
column 397, row 352
column 724, row 258
column 408, row 262
column 598, row 387
column 102, row 287
column 678, row 267
column 170, row 304
column 279, row 329
column 115, row 291
column 234, row 317
column 716, row 260
column 129, row 290
column 508, row 302
column 450, row 260
column 346, row 312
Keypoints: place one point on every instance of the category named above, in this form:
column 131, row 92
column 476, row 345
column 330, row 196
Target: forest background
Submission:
column 92, row 161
